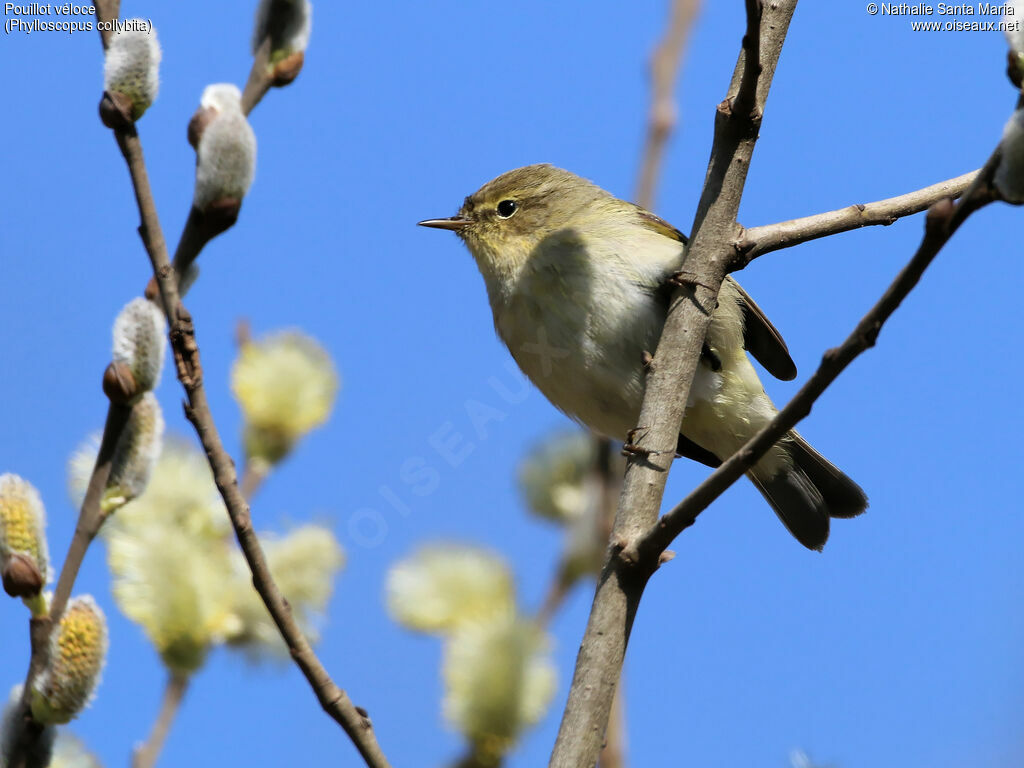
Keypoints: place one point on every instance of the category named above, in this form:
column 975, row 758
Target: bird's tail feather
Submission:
column 808, row 493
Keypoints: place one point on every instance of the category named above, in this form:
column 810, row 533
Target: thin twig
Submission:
column 943, row 219
column 106, row 10
column 757, row 241
column 252, row 477
column 90, row 520
column 353, row 720
column 558, row 590
column 664, row 112
column 189, row 369
column 91, row 517
column 622, row 581
column 146, row 755
column 191, row 242
column 260, row 79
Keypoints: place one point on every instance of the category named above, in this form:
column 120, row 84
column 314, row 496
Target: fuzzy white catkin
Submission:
column 551, row 477
column 137, row 451
column 168, row 553
column 498, row 680
column 286, row 385
column 132, row 67
column 1009, row 176
column 139, row 342
column 288, row 23
column 226, row 155
column 444, row 586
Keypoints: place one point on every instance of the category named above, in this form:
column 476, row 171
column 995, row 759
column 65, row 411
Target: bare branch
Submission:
column 942, row 221
column 90, row 520
column 106, row 10
column 664, row 111
column 252, row 478
column 622, row 581
column 745, row 100
column 146, row 755
column 91, row 517
column 189, row 368
column 260, row 79
column 354, row 721
column 757, row 241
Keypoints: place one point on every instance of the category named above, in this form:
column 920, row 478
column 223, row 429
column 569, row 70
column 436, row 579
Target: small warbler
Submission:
column 577, row 283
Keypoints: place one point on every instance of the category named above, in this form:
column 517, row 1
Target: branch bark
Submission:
column 90, row 520
column 334, row 701
column 259, row 81
column 624, row 577
column 757, row 241
column 353, row 720
column 943, row 219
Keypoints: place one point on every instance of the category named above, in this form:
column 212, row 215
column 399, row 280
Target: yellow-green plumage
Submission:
column 576, row 283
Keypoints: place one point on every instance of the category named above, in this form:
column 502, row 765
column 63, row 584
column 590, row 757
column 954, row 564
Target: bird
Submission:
column 579, row 285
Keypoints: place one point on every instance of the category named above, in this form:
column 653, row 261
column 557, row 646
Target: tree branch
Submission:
column 146, row 755
column 106, row 10
column 664, row 112
column 757, row 241
column 943, row 219
column 353, row 720
column 622, row 581
column 90, row 519
column 189, row 369
column 260, row 80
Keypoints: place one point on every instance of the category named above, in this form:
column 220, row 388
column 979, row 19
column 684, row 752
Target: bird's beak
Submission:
column 455, row 223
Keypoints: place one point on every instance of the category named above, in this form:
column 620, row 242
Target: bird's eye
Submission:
column 506, row 208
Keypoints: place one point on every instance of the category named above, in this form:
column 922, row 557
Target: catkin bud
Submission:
column 78, row 650
column 132, row 68
column 226, row 151
column 136, row 453
column 24, row 560
column 139, row 344
column 287, row 24
column 1009, row 175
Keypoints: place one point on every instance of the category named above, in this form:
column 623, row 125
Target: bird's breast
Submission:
column 580, row 337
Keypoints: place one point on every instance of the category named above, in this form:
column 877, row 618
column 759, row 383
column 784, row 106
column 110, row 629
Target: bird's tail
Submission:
column 809, row 491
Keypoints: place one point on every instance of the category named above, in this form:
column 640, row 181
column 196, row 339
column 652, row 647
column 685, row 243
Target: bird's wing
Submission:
column 763, row 340
column 760, row 337
column 688, row 449
column 659, row 225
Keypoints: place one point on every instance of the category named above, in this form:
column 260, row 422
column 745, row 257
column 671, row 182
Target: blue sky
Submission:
column 899, row 645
